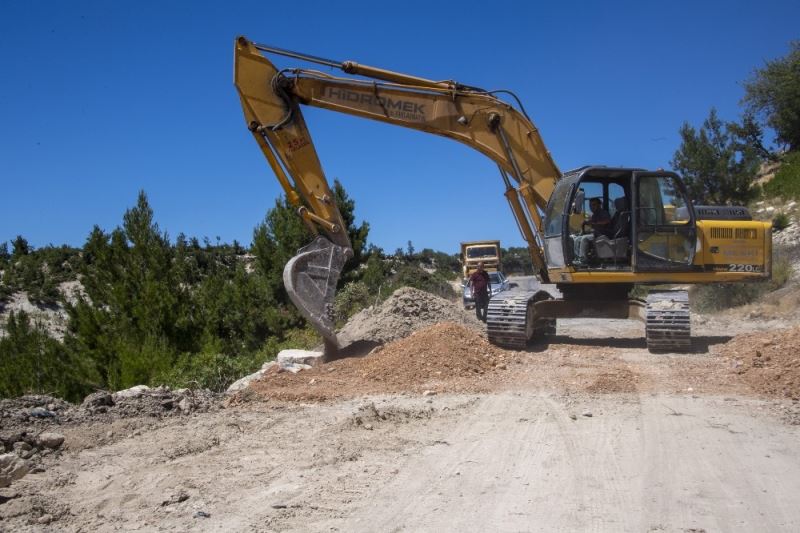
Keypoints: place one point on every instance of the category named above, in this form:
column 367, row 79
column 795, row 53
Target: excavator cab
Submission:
column 651, row 222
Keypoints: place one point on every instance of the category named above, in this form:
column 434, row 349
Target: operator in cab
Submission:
column 600, row 223
column 480, row 283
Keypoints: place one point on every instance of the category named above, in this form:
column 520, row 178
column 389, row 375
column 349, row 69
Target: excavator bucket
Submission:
column 310, row 278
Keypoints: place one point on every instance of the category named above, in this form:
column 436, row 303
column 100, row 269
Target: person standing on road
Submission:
column 479, row 281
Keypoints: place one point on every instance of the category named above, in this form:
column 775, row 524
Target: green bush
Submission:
column 720, row 296
column 375, row 273
column 37, row 272
column 32, row 362
column 786, row 183
column 214, row 370
column 413, row 276
column 448, row 275
column 350, row 300
column 209, row 370
column 780, row 222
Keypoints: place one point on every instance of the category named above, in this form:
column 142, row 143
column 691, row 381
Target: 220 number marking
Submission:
column 738, row 267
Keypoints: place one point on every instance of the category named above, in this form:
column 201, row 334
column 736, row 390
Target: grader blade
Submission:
column 310, row 278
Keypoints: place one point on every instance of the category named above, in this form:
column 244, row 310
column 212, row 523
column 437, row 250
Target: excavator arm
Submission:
column 271, row 100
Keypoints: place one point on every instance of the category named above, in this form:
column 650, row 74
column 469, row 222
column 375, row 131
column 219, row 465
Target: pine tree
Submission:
column 773, row 95
column 718, row 166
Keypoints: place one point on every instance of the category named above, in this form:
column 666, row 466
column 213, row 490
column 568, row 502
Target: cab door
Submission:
column 664, row 227
column 555, row 223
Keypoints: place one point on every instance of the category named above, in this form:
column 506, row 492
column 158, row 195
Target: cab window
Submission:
column 661, row 202
column 555, row 209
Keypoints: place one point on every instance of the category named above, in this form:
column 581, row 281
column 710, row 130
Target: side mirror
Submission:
column 580, row 199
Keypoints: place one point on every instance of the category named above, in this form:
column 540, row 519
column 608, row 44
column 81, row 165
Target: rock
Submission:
column 573, row 417
column 279, row 506
column 587, row 414
column 50, row 439
column 368, row 427
column 24, row 450
column 97, row 399
column 202, row 514
column 22, row 445
column 299, row 357
column 185, row 404
column 41, row 412
column 429, row 393
column 45, row 519
column 245, row 382
column 133, row 392
column 294, row 368
column 12, row 468
column 178, row 497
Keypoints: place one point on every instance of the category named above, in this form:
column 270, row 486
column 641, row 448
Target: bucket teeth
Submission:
column 310, row 278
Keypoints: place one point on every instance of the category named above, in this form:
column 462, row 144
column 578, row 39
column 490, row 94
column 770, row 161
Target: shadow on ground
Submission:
column 700, row 344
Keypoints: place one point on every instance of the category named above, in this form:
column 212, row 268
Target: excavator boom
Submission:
column 271, row 101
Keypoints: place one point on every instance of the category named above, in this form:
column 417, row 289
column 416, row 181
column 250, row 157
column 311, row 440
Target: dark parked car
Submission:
column 498, row 283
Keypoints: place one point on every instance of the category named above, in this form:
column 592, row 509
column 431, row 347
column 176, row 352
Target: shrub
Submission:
column 350, row 300
column 780, row 222
column 32, row 362
column 214, row 370
column 720, row 296
column 209, row 369
column 413, row 276
column 786, row 182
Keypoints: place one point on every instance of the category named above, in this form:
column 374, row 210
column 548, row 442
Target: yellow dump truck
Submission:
column 486, row 252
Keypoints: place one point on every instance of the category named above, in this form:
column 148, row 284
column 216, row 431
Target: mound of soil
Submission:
column 445, row 357
column 767, row 361
column 405, row 311
column 21, row 419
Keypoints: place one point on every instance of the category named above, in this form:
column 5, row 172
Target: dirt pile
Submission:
column 767, row 361
column 445, row 357
column 405, row 311
column 25, row 418
column 156, row 402
column 140, row 401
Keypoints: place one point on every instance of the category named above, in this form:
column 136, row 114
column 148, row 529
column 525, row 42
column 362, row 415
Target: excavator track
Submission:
column 508, row 321
column 668, row 321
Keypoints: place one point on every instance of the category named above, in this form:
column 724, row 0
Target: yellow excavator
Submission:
column 655, row 235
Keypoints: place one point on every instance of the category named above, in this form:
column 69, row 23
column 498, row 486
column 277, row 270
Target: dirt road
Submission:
column 511, row 461
column 587, row 433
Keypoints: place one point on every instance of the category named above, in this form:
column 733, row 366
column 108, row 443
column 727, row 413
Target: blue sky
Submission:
column 101, row 99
